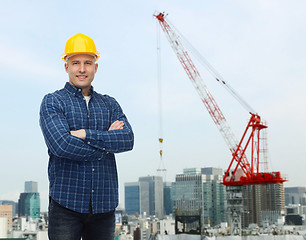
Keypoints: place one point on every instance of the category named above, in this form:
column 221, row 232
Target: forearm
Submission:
column 79, row 133
column 113, row 141
column 68, row 146
column 58, row 137
column 118, row 138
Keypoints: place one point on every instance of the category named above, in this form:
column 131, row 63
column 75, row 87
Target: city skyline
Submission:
column 206, row 170
column 27, row 226
column 258, row 47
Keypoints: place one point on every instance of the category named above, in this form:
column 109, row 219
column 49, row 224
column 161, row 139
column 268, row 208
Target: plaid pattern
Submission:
column 83, row 171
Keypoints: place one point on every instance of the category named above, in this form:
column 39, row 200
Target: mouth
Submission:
column 81, row 77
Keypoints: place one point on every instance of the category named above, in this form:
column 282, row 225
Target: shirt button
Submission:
column 103, row 149
column 92, row 190
column 93, row 169
column 99, row 159
column 86, row 160
column 88, row 142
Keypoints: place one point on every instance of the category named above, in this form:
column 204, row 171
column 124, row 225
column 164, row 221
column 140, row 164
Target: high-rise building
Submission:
column 188, row 194
column 30, row 186
column 6, row 211
column 199, row 190
column 295, row 201
column 262, row 204
column 144, row 198
column 152, row 195
column 295, row 195
column 214, row 196
column 212, row 171
column 29, row 205
column 131, row 197
column 167, row 198
column 14, row 205
column 29, row 201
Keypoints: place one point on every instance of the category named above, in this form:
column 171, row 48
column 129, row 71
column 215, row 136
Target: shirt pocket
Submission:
column 77, row 117
column 100, row 119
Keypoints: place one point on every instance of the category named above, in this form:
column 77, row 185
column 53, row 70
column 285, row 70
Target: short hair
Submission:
column 71, row 55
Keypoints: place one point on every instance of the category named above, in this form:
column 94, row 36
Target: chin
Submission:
column 82, row 85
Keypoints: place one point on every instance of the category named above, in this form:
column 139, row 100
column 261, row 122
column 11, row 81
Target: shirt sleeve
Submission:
column 113, row 141
column 57, row 133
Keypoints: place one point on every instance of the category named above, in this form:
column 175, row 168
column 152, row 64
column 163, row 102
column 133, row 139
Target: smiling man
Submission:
column 81, row 69
column 83, row 130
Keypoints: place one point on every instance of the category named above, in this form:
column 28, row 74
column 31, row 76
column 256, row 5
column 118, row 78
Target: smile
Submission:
column 81, row 76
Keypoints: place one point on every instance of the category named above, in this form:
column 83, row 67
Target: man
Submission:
column 82, row 130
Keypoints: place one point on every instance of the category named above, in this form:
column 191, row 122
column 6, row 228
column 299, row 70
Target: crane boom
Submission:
column 199, row 84
column 250, row 173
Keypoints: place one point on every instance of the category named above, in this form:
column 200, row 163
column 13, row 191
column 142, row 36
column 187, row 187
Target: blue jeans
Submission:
column 65, row 224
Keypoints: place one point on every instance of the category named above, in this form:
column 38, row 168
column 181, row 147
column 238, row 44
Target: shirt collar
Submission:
column 75, row 90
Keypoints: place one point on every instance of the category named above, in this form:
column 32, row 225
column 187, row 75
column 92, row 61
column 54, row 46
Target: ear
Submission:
column 96, row 67
column 66, row 67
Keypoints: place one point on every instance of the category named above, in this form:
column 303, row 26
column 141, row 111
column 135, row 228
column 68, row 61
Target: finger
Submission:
column 120, row 126
column 112, row 125
column 121, row 123
column 116, row 125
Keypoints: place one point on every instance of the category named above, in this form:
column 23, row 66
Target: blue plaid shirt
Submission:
column 83, row 172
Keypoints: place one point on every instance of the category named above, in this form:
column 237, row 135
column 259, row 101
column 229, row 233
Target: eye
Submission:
column 88, row 63
column 75, row 63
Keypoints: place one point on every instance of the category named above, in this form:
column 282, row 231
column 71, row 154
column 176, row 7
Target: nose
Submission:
column 82, row 68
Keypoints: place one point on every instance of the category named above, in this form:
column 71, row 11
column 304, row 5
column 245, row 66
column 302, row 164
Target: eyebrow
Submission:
column 78, row 61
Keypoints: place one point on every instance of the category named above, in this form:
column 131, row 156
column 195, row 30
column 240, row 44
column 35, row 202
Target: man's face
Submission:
column 81, row 69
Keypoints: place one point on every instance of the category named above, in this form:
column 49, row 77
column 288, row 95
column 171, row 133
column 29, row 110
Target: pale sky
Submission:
column 257, row 46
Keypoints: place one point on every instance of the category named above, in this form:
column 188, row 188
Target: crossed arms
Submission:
column 83, row 144
column 81, row 133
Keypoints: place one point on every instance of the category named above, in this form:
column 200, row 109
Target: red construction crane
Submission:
column 240, row 171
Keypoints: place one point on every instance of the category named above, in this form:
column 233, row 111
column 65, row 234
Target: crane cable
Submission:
column 203, row 61
column 161, row 167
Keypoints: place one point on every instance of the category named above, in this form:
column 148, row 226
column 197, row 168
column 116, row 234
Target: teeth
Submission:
column 81, row 76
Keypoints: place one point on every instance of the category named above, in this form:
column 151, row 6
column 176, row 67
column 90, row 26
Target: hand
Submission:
column 81, row 133
column 116, row 125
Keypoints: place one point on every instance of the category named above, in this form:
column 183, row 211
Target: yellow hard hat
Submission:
column 80, row 44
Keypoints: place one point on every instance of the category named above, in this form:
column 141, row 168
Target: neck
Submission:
column 85, row 91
